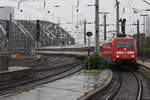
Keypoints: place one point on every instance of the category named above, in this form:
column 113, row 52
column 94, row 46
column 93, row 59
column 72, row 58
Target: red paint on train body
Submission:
column 119, row 51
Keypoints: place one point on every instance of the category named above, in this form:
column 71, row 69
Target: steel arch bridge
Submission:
column 22, row 35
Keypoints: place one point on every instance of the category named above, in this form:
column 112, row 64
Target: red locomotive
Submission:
column 119, row 51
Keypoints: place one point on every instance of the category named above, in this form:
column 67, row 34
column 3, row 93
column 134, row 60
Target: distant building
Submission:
column 5, row 13
column 141, row 39
column 147, row 26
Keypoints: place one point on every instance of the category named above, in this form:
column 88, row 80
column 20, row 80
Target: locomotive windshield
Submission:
column 124, row 44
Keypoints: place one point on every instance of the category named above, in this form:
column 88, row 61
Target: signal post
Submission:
column 89, row 34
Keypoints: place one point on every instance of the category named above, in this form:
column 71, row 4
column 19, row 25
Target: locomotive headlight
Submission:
column 130, row 52
column 117, row 56
column 132, row 56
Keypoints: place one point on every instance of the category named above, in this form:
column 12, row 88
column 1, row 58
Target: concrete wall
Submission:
column 3, row 63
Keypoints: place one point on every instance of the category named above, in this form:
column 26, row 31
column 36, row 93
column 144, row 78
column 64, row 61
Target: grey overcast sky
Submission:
column 67, row 13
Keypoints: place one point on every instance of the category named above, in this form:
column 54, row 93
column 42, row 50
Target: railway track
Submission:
column 32, row 62
column 128, row 86
column 122, row 86
column 43, row 75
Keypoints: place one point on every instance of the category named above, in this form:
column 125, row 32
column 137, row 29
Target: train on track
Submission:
column 120, row 52
column 80, row 50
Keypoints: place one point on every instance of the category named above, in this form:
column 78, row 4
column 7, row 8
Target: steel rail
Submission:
column 114, row 93
column 118, row 86
column 140, row 91
column 36, row 82
column 63, row 69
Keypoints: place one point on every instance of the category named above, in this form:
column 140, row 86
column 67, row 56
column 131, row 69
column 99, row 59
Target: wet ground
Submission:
column 69, row 88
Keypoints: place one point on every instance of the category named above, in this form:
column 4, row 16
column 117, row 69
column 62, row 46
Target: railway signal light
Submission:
column 37, row 30
column 123, row 21
column 7, row 30
column 89, row 34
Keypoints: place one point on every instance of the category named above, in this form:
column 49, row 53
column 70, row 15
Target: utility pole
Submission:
column 85, row 32
column 7, row 30
column 138, row 37
column 117, row 17
column 144, row 17
column 10, row 23
column 97, row 26
column 104, row 27
column 37, row 36
column 72, row 14
column 10, row 31
column 89, row 34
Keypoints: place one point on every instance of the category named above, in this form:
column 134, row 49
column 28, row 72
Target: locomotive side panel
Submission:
column 106, row 52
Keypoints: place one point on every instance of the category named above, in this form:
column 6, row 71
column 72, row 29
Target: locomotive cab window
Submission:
column 129, row 44
column 124, row 45
column 120, row 44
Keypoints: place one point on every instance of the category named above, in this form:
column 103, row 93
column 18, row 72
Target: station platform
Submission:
column 15, row 68
column 145, row 63
column 64, row 52
column 69, row 88
column 14, row 72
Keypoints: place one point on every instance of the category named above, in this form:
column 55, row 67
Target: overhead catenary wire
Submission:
column 146, row 2
column 41, row 10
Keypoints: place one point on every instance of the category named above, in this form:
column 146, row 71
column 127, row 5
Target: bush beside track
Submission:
column 95, row 61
